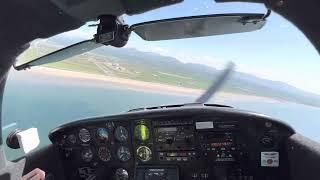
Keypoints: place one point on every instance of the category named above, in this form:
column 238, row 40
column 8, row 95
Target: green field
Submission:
column 78, row 63
column 81, row 63
column 148, row 67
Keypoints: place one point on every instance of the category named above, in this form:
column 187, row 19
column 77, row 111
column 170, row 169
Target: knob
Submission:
column 121, row 174
column 267, row 142
column 188, row 139
column 169, row 140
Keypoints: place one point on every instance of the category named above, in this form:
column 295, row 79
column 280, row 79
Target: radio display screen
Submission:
column 167, row 129
column 220, row 140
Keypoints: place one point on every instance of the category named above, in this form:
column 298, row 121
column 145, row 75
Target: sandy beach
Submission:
column 141, row 85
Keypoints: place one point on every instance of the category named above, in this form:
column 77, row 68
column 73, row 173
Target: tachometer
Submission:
column 84, row 135
column 102, row 134
column 141, row 132
column 121, row 134
column 104, row 154
column 123, row 154
column 144, row 153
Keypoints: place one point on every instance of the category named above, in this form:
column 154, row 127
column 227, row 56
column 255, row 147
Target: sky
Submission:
column 278, row 52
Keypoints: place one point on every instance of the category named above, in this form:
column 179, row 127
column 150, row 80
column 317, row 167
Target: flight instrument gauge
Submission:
column 87, row 155
column 141, row 132
column 123, row 154
column 144, row 153
column 104, row 154
column 121, row 174
column 102, row 134
column 84, row 135
column 121, row 134
column 72, row 139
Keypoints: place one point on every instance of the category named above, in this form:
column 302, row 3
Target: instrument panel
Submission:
column 178, row 143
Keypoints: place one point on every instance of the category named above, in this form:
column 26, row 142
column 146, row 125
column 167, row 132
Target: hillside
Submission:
column 151, row 67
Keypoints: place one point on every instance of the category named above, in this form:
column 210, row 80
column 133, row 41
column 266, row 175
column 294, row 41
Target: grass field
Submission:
column 88, row 63
column 84, row 63
column 78, row 63
column 161, row 69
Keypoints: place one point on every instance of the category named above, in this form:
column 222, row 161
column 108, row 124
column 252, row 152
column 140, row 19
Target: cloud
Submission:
column 155, row 49
column 181, row 55
column 265, row 73
column 220, row 63
column 188, row 57
column 74, row 36
column 184, row 56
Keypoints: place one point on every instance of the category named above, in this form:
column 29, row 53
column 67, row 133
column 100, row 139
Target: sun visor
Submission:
column 89, row 10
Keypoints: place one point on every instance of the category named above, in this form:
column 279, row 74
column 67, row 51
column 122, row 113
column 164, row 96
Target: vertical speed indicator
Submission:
column 123, row 154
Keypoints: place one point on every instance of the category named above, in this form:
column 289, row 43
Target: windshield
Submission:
column 276, row 74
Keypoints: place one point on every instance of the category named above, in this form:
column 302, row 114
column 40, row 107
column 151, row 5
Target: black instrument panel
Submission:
column 176, row 143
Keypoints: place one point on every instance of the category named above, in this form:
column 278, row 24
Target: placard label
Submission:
column 270, row 159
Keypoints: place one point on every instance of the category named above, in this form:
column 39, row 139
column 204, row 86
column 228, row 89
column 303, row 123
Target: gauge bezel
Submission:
column 116, row 134
column 148, row 149
column 101, row 138
column 108, row 153
column 72, row 139
column 82, row 155
column 127, row 150
column 138, row 136
column 81, row 132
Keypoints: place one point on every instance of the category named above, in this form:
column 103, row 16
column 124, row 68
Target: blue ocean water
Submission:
column 42, row 101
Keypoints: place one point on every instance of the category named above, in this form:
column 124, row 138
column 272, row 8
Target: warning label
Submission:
column 270, row 159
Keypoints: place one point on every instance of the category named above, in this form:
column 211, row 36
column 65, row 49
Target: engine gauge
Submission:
column 123, row 154
column 121, row 174
column 102, row 134
column 121, row 134
column 144, row 153
column 87, row 155
column 104, row 154
column 72, row 139
column 84, row 135
column 141, row 132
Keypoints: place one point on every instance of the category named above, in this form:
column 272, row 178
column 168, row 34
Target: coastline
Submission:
column 143, row 86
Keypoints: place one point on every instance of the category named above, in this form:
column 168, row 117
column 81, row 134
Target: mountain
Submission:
column 240, row 82
column 153, row 67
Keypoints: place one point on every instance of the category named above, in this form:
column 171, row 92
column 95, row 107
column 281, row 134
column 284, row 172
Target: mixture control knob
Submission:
column 121, row 174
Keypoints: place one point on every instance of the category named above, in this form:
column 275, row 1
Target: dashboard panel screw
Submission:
column 280, row 3
column 268, row 124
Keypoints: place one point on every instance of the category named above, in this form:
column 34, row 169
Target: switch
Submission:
column 194, row 175
column 204, row 175
column 169, row 140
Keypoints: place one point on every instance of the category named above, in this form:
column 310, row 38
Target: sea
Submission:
column 46, row 101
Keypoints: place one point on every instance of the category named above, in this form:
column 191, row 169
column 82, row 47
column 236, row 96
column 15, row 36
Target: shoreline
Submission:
column 136, row 85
